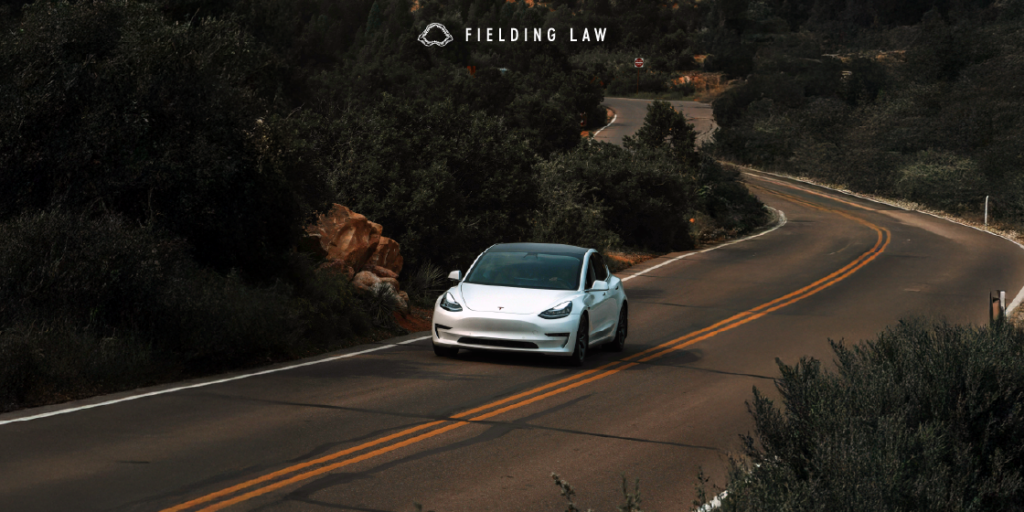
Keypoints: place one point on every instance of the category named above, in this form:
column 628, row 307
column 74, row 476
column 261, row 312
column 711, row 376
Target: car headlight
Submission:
column 560, row 311
column 448, row 302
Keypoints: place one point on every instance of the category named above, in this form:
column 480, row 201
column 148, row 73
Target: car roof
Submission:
column 542, row 248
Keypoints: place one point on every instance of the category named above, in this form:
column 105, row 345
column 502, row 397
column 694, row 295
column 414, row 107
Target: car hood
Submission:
column 507, row 299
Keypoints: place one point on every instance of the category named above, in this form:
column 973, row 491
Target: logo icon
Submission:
column 433, row 42
column 501, row 308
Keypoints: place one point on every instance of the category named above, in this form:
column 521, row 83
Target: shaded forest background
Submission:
column 920, row 101
column 158, row 160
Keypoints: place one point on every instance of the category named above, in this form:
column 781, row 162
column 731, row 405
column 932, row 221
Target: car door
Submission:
column 602, row 302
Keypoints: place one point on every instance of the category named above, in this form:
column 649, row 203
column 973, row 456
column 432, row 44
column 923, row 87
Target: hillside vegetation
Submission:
column 920, row 101
column 159, row 159
column 923, row 418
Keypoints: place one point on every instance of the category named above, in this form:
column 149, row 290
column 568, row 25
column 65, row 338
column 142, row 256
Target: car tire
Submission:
column 579, row 352
column 621, row 330
column 442, row 351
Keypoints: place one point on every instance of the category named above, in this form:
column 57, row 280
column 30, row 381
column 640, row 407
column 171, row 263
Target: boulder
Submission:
column 347, row 236
column 365, row 280
column 380, row 271
column 387, row 254
column 403, row 300
column 391, row 281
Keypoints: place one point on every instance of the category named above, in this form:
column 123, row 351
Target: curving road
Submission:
column 379, row 430
column 629, row 117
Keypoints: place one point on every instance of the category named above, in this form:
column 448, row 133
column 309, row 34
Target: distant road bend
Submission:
column 385, row 428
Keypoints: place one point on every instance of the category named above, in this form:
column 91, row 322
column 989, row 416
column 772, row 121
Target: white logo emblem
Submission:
column 427, row 42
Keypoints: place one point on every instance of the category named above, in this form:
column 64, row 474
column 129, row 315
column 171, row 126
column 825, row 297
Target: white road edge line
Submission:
column 779, row 224
column 715, row 502
column 1009, row 309
column 614, row 117
column 210, row 383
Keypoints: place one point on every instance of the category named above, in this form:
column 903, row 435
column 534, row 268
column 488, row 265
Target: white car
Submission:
column 551, row 299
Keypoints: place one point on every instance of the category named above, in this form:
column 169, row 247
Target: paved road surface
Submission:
column 629, row 117
column 382, row 430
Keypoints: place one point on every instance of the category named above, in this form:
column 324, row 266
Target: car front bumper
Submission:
column 504, row 332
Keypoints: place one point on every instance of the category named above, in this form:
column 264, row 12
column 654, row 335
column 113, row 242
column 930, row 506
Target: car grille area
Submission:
column 497, row 343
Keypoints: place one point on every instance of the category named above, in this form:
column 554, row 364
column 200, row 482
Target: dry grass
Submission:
column 621, row 260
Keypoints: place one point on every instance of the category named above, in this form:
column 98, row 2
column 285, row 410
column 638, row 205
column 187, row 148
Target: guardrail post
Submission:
column 997, row 306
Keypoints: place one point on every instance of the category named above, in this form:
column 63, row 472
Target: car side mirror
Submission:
column 599, row 286
column 455, row 275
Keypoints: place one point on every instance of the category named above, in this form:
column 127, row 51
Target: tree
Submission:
column 444, row 181
column 665, row 127
column 106, row 106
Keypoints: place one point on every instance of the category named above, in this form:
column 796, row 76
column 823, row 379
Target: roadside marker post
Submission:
column 997, row 307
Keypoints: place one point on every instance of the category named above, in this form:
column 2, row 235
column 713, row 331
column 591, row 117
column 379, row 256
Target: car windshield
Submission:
column 527, row 270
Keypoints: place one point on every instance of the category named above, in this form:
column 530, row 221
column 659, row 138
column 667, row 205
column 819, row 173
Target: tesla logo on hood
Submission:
column 501, row 307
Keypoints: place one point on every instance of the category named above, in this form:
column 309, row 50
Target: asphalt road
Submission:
column 381, row 430
column 629, row 117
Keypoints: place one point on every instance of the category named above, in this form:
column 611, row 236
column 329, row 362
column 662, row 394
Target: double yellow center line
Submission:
column 297, row 473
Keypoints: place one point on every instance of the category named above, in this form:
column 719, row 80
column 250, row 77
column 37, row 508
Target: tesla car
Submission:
column 550, row 299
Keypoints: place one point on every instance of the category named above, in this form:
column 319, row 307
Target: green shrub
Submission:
column 93, row 305
column 921, row 418
column 444, row 181
column 106, row 104
column 665, row 128
column 941, row 180
column 99, row 272
column 426, row 283
column 41, row 363
column 625, row 82
column 643, row 196
column 570, row 214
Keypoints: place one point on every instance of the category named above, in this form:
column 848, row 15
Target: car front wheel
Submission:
column 619, row 343
column 579, row 352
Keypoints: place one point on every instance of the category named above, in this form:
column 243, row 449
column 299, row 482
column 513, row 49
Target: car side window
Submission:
column 600, row 271
column 590, row 276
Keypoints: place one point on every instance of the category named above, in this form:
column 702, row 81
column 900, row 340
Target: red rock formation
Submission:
column 347, row 236
column 391, row 281
column 365, row 280
column 380, row 271
column 387, row 255
column 350, row 242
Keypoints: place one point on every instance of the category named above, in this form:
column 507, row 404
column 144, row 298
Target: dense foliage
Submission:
column 645, row 193
column 159, row 158
column 923, row 418
column 95, row 303
column 923, row 104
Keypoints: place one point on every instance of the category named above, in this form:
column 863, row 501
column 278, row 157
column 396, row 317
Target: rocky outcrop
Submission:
column 392, row 282
column 365, row 280
column 346, row 236
column 352, row 244
column 380, row 271
column 387, row 255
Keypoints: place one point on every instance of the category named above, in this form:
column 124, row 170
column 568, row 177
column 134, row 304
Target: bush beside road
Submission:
column 922, row 418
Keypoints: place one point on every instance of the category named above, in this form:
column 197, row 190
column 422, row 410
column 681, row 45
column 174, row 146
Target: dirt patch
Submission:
column 619, row 261
column 416, row 320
